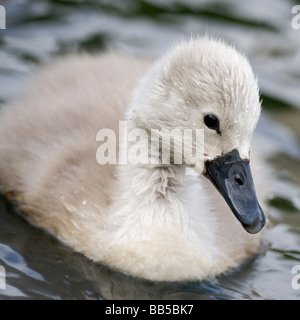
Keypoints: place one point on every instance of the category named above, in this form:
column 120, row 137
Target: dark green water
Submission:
column 37, row 266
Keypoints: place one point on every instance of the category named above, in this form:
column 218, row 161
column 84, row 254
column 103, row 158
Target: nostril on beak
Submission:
column 239, row 179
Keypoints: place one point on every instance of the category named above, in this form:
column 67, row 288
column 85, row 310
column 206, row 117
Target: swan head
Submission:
column 209, row 87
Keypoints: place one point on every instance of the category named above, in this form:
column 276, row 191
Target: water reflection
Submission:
column 45, row 269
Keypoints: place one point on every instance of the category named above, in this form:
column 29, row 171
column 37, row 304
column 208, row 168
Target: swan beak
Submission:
column 233, row 179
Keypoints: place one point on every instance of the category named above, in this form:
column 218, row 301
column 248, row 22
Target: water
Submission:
column 38, row 266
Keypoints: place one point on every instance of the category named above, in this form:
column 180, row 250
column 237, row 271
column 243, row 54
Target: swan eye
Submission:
column 211, row 121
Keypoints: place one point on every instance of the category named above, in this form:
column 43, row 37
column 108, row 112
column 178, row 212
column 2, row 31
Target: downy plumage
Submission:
column 150, row 221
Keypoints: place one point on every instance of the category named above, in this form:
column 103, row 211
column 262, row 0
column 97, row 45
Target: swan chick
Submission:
column 148, row 220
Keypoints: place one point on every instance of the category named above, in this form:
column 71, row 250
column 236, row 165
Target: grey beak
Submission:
column 233, row 179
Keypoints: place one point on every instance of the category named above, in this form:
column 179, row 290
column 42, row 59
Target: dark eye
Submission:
column 211, row 121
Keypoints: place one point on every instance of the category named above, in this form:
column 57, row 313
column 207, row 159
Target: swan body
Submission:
column 150, row 221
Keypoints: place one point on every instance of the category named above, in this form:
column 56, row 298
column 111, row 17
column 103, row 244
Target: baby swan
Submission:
column 148, row 220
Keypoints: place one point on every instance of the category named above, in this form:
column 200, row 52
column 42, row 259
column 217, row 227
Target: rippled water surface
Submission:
column 39, row 267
